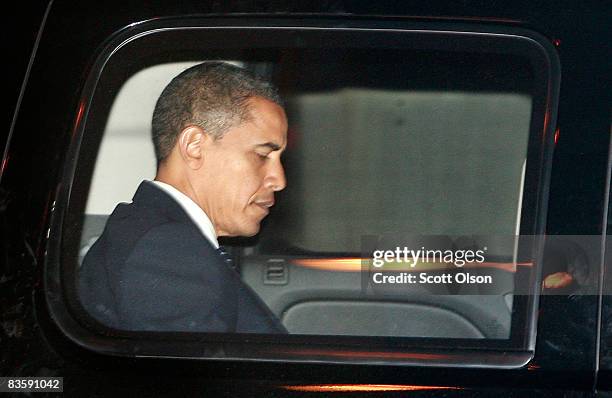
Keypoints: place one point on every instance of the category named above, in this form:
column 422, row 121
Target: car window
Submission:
column 430, row 149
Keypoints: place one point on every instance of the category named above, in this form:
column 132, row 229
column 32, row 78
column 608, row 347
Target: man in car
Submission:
column 218, row 134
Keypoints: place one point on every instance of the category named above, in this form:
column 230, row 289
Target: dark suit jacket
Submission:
column 152, row 269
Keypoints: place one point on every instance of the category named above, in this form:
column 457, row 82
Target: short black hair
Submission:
column 212, row 95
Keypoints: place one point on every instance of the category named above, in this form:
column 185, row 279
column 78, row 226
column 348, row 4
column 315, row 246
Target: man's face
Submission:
column 241, row 171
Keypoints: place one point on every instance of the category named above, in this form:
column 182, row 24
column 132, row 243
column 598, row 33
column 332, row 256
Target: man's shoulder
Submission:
column 129, row 221
column 174, row 235
column 139, row 228
column 150, row 207
column 170, row 248
column 153, row 218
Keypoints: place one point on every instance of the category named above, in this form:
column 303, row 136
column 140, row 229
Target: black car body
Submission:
column 574, row 329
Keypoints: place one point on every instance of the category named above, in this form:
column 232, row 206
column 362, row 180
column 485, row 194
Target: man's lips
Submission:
column 265, row 204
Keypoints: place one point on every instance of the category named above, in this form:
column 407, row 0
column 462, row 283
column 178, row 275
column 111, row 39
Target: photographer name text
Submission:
column 425, row 278
column 392, row 262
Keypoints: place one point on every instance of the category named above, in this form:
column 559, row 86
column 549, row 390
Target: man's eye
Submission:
column 263, row 156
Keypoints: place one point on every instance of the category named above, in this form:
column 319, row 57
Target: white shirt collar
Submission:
column 195, row 212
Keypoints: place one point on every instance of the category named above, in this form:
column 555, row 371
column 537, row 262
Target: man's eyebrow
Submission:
column 271, row 145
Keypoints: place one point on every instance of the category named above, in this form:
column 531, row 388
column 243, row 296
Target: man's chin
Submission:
column 248, row 230
column 253, row 232
column 244, row 229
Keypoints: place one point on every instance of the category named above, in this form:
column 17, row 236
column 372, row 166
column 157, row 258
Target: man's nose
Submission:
column 275, row 180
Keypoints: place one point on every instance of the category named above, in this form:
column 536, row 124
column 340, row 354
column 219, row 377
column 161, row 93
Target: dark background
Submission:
column 581, row 32
column 19, row 29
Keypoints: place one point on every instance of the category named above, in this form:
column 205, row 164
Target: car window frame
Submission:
column 264, row 347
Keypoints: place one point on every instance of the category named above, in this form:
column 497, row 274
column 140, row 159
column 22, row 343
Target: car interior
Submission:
column 411, row 144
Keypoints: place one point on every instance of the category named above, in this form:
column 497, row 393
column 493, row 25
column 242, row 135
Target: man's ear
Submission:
column 189, row 143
